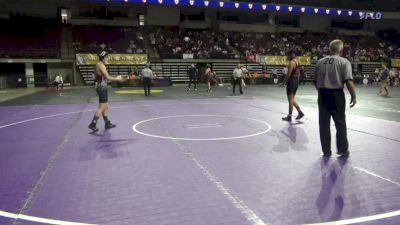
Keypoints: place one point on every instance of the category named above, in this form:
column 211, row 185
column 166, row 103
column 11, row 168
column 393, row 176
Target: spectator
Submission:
column 58, row 81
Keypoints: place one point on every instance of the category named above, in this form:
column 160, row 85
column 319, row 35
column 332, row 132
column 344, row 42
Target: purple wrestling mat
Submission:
column 207, row 161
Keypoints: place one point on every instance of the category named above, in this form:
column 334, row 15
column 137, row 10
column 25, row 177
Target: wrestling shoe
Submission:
column 301, row 115
column 93, row 127
column 109, row 125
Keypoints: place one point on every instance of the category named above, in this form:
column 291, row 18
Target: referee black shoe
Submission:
column 343, row 154
column 287, row 118
column 327, row 154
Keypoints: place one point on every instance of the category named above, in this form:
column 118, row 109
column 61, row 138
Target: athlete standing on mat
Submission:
column 101, row 78
column 331, row 73
column 292, row 83
column 210, row 75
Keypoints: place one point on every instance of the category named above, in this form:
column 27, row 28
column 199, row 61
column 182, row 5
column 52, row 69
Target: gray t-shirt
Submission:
column 332, row 71
column 146, row 72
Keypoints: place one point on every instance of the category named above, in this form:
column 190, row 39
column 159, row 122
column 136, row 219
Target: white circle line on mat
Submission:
column 135, row 128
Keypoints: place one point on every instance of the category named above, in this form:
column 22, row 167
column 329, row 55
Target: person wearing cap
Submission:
column 147, row 75
column 101, row 78
column 292, row 83
column 330, row 75
column 192, row 74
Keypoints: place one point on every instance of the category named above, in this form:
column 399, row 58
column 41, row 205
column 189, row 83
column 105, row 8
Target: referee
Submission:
column 192, row 73
column 237, row 77
column 331, row 73
column 147, row 76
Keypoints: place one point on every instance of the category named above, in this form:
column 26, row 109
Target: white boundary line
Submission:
column 63, row 222
column 361, row 219
column 44, row 117
column 376, row 175
column 135, row 129
column 39, row 219
column 55, row 115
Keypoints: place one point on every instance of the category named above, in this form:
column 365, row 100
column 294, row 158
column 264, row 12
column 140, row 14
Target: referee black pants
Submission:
column 146, row 85
column 193, row 79
column 237, row 81
column 332, row 103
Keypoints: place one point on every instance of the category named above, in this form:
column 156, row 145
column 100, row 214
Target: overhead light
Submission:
column 191, row 2
column 361, row 14
column 250, row 6
column 277, row 7
column 339, row 12
column 316, row 10
column 327, row 11
column 350, row 13
column 206, row 3
column 290, row 8
column 176, row 2
column 303, row 9
column 264, row 7
column 160, row 1
column 221, row 4
column 126, row 0
column 144, row 1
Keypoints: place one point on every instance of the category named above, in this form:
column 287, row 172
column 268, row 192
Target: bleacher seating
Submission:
column 93, row 39
column 202, row 44
column 25, row 37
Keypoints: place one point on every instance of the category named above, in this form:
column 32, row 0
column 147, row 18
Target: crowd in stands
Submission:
column 93, row 39
column 203, row 44
column 40, row 38
column 178, row 43
column 358, row 48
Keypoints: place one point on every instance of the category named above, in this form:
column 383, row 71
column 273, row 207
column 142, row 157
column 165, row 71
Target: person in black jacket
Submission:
column 192, row 74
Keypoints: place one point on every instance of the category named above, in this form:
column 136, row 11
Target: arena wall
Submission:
column 164, row 16
column 314, row 23
column 260, row 28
